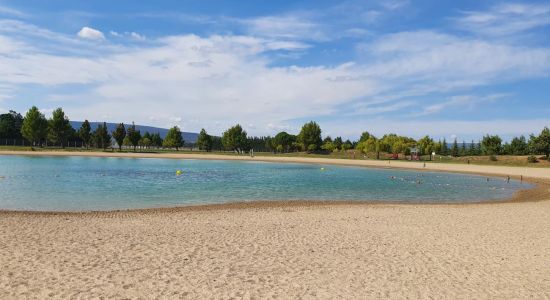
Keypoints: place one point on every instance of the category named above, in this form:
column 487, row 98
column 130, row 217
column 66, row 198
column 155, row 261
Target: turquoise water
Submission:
column 89, row 183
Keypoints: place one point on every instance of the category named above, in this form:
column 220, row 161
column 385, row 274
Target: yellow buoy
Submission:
column 178, row 172
column 322, row 169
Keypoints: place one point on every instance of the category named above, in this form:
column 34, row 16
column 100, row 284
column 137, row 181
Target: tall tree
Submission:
column 542, row 142
column 10, row 125
column 310, row 137
column 463, row 151
column 518, row 146
column 85, row 133
column 59, row 127
column 444, row 147
column 119, row 134
column 156, row 140
column 364, row 136
column 134, row 135
column 235, row 138
column 204, row 141
column 338, row 143
column 472, row 149
column 35, row 126
column 101, row 136
column 491, row 145
column 173, row 138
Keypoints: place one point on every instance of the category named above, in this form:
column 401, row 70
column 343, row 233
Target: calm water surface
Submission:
column 90, row 183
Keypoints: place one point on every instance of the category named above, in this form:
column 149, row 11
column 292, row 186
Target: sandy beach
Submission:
column 286, row 249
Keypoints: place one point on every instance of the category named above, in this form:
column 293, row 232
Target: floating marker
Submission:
column 178, row 172
column 322, row 169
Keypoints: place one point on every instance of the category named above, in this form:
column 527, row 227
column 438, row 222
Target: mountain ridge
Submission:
column 188, row 137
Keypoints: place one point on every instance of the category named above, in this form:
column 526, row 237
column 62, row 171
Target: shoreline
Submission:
column 540, row 180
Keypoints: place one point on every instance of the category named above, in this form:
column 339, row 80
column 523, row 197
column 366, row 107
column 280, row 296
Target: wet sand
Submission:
column 309, row 250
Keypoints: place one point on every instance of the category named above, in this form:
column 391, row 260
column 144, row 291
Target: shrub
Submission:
column 532, row 159
column 492, row 158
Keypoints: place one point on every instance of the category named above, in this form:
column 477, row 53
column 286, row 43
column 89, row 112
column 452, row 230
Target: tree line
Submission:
column 35, row 128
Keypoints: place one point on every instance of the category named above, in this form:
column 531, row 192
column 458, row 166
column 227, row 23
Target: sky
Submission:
column 450, row 69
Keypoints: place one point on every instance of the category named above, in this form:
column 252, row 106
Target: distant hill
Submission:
column 188, row 137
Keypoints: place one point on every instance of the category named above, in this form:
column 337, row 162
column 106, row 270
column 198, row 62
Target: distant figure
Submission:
column 521, row 178
column 508, row 179
column 487, row 179
column 424, row 165
column 468, row 161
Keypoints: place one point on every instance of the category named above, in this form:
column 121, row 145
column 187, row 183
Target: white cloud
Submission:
column 285, row 27
column 91, row 34
column 5, row 10
column 506, row 19
column 137, row 36
column 226, row 79
column 460, row 103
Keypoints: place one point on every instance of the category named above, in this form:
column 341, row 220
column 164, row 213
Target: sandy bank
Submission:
column 309, row 252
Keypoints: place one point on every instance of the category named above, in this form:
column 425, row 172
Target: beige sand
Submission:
column 285, row 250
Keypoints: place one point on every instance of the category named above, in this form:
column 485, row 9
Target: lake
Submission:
column 98, row 183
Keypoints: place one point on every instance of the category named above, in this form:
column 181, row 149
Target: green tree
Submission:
column 156, row 139
column 518, row 146
column 338, row 143
column 34, row 127
column 119, row 134
column 472, row 149
column 101, row 136
column 173, row 138
column 454, row 149
column 364, row 136
column 328, row 145
column 10, row 125
column 85, row 133
column 426, row 146
column 145, row 142
column 444, row 147
column 283, row 141
column 542, row 142
column 59, row 127
column 134, row 135
column 347, row 145
column 235, row 139
column 310, row 137
column 463, row 150
column 204, row 141
column 491, row 145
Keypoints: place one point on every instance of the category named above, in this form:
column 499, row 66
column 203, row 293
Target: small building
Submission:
column 415, row 153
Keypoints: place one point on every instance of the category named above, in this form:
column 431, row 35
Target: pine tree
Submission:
column 204, row 141
column 472, row 149
column 85, row 133
column 444, row 147
column 134, row 135
column 59, row 127
column 454, row 149
column 119, row 134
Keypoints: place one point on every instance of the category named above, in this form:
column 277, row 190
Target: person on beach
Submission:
column 508, row 179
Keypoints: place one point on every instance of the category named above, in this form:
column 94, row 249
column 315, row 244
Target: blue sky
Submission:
column 446, row 68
